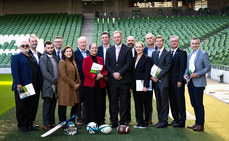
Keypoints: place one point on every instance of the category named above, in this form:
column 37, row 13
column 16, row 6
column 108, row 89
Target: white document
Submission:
column 27, row 90
column 96, row 68
column 155, row 70
column 140, row 85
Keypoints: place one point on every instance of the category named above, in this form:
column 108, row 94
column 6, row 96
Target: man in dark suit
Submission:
column 176, row 94
column 80, row 54
column 24, row 71
column 33, row 41
column 105, row 38
column 198, row 65
column 162, row 59
column 58, row 42
column 130, row 43
column 49, row 69
column 118, row 63
column 148, row 50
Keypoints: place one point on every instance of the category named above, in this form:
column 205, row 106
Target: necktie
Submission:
column 172, row 53
column 158, row 55
column 58, row 55
column 117, row 53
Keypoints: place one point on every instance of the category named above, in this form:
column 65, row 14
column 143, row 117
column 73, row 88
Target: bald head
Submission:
column 130, row 41
column 150, row 39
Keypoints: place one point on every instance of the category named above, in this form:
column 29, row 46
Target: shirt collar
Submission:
column 82, row 50
column 195, row 51
column 118, row 46
column 49, row 55
column 33, row 51
column 161, row 49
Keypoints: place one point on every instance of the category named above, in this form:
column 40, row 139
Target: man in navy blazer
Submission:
column 148, row 50
column 58, row 42
column 162, row 59
column 24, row 71
column 198, row 65
column 79, row 55
column 105, row 38
column 118, row 63
column 176, row 94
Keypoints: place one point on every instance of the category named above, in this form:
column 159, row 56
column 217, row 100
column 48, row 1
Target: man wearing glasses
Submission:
column 58, row 42
column 24, row 71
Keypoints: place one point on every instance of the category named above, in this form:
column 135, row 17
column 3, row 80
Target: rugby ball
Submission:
column 123, row 129
column 92, row 127
column 105, row 129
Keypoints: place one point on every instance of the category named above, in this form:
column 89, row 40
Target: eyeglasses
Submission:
column 58, row 42
column 23, row 46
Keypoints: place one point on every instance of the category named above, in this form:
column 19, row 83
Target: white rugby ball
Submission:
column 105, row 129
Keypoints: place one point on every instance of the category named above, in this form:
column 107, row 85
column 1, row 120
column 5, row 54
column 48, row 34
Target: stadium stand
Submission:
column 185, row 27
column 15, row 28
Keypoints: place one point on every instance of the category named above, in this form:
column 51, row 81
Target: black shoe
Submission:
column 114, row 125
column 161, row 125
column 182, row 125
column 23, row 129
column 172, row 123
column 155, row 125
column 32, row 128
column 36, row 125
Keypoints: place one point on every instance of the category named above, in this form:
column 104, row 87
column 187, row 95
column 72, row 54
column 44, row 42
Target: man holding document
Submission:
column 24, row 71
column 94, row 83
column 160, row 75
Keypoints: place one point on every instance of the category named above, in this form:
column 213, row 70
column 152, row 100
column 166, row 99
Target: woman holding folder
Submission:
column 141, row 77
column 94, row 73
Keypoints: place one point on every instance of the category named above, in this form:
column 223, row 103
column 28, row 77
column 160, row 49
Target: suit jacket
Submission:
column 79, row 61
column 163, row 63
column 178, row 66
column 54, row 53
column 40, row 78
column 146, row 50
column 202, row 66
column 21, row 71
column 67, row 72
column 122, row 66
column 48, row 75
column 100, row 51
column 141, row 71
column 89, row 78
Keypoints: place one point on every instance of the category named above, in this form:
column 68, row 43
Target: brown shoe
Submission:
column 46, row 128
column 191, row 127
column 198, row 128
column 79, row 123
column 52, row 126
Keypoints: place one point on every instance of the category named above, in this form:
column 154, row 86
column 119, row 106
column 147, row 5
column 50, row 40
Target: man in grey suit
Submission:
column 49, row 69
column 198, row 65
column 162, row 59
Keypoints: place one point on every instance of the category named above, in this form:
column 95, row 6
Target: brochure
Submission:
column 96, row 68
column 140, row 85
column 155, row 70
column 27, row 90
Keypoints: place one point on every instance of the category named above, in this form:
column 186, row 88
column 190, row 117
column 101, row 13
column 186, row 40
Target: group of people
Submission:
column 82, row 79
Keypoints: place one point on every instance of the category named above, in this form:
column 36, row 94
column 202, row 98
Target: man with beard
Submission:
column 24, row 71
column 33, row 41
column 49, row 69
column 130, row 43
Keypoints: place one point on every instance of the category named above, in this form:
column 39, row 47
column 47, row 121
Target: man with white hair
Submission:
column 80, row 54
column 24, row 71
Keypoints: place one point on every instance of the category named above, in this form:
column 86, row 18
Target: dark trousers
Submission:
column 37, row 97
column 48, row 111
column 118, row 96
column 95, row 102
column 109, row 98
column 150, row 104
column 177, row 103
column 24, row 110
column 62, row 112
column 196, row 97
column 142, row 106
column 128, row 112
column 161, row 94
column 81, row 116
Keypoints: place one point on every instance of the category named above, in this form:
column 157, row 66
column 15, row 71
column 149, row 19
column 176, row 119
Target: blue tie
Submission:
column 58, row 55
